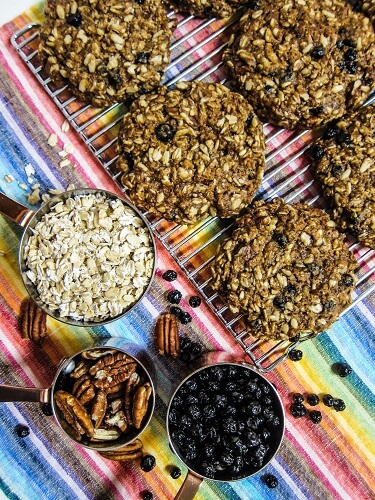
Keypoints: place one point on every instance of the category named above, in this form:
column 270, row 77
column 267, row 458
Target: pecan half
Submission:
column 140, row 404
column 81, row 369
column 74, row 413
column 111, row 360
column 99, row 407
column 167, row 340
column 130, row 451
column 100, row 435
column 130, row 388
column 115, row 377
column 97, row 353
column 33, row 321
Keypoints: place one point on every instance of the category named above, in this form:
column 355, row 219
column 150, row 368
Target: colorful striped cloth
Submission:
column 334, row 459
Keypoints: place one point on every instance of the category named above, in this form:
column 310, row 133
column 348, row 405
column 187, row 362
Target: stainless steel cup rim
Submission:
column 33, row 220
column 275, row 394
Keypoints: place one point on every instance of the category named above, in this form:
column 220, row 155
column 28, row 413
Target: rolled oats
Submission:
column 90, row 258
column 190, row 152
column 301, row 64
column 108, row 51
column 286, row 268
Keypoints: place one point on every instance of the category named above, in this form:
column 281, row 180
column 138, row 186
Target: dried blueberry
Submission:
column 343, row 138
column 169, row 275
column 336, row 170
column 347, row 280
column 342, row 369
column 279, row 301
column 280, row 238
column 315, row 416
column 269, row 88
column 220, row 400
column 270, row 480
column 47, row 409
column 185, row 356
column 74, row 20
column 115, row 79
column 148, row 462
column 142, row 57
column 290, row 289
column 297, row 410
column 195, row 301
column 331, row 131
column 209, row 411
column 184, row 318
column 295, row 355
column 253, row 4
column 191, row 385
column 318, row 52
column 328, row 400
column 313, row 399
column 165, row 132
column 316, row 152
column 208, row 470
column 351, row 67
column 298, row 398
column 195, row 348
column 194, row 411
column 316, row 111
column 176, row 311
column 191, row 399
column 229, row 425
column 350, row 54
column 339, row 404
column 174, row 297
column 340, row 44
column 329, row 305
column 21, row 430
column 147, row 495
column 175, row 472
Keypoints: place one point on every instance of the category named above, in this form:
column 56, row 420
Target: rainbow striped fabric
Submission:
column 334, row 459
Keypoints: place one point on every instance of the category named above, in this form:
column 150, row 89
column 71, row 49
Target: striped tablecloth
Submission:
column 334, row 459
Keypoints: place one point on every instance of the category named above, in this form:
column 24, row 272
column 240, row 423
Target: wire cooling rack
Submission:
column 196, row 49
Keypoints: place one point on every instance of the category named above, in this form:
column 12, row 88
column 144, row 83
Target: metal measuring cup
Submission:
column 63, row 381
column 194, row 478
column 28, row 219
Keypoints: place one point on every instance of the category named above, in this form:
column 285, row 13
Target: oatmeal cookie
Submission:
column 302, row 64
column 108, row 50
column 208, row 8
column 286, row 268
column 344, row 162
column 192, row 151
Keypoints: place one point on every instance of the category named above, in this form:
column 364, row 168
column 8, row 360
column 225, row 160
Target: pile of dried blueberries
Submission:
column 225, row 422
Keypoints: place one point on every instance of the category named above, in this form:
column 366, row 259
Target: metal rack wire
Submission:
column 196, row 49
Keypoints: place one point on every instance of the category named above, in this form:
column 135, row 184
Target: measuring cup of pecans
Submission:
column 225, row 421
column 102, row 397
column 86, row 257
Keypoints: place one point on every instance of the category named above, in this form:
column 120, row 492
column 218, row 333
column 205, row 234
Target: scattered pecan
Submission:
column 167, row 340
column 74, row 413
column 131, row 451
column 140, row 404
column 33, row 321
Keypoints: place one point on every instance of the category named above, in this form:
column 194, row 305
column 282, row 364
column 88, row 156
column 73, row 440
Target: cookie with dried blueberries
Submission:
column 107, row 51
column 196, row 150
column 301, row 65
column 346, row 171
column 287, row 268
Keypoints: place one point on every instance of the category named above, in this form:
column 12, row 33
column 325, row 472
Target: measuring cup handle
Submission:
column 189, row 487
column 9, row 393
column 15, row 211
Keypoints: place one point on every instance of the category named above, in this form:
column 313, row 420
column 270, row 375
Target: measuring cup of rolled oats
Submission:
column 103, row 397
column 86, row 257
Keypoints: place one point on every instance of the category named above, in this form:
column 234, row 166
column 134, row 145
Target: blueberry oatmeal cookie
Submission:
column 301, row 64
column 190, row 152
column 344, row 162
column 208, row 8
column 108, row 50
column 286, row 268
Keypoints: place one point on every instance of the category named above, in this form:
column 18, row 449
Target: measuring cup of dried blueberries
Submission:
column 102, row 397
column 225, row 421
column 86, row 257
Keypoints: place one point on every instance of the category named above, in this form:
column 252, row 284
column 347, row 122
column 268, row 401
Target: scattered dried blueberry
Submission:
column 298, row 410
column 74, row 19
column 169, row 275
column 315, row 416
column 298, row 398
column 165, row 132
column 279, row 301
column 328, row 400
column 280, row 238
column 147, row 495
column 114, row 79
column 47, row 409
column 316, row 152
column 21, row 430
column 184, row 318
column 340, row 44
column 339, row 404
column 351, row 67
column 142, row 57
column 336, row 170
column 347, row 280
column 342, row 369
column 185, row 343
column 343, row 138
column 270, row 480
column 195, row 301
column 185, row 356
column 148, row 462
column 295, row 355
column 317, row 52
column 330, row 131
column 316, row 111
column 176, row 311
column 350, row 54
column 174, row 297
column 175, row 472
column 195, row 349
column 313, row 399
